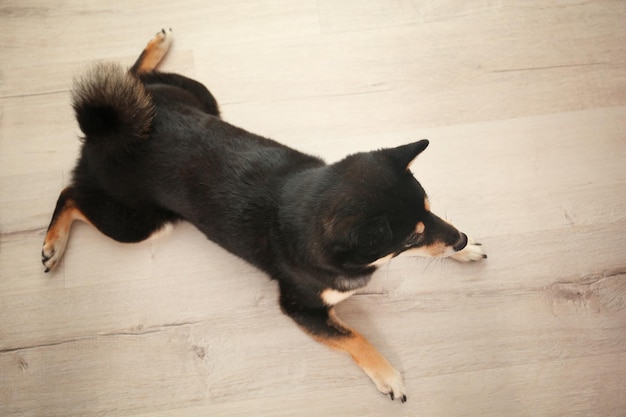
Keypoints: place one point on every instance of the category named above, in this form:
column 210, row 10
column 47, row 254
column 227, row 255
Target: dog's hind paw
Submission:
column 52, row 252
column 160, row 43
column 473, row 251
column 163, row 35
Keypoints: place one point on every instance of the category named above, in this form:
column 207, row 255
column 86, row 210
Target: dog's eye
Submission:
column 412, row 239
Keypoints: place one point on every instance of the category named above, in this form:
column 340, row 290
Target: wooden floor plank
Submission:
column 525, row 107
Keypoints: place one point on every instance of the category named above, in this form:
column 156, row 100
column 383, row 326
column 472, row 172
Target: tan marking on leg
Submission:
column 59, row 233
column 155, row 51
column 387, row 379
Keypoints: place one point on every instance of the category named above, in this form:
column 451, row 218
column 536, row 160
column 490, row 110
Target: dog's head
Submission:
column 374, row 209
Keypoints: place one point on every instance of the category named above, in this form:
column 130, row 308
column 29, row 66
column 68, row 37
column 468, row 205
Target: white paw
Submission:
column 472, row 252
column 52, row 251
column 164, row 37
column 391, row 384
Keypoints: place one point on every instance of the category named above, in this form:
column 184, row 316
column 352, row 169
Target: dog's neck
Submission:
column 305, row 215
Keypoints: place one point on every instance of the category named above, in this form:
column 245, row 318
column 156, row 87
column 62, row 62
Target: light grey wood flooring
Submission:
column 525, row 106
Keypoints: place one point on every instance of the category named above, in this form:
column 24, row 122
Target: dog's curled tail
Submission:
column 113, row 108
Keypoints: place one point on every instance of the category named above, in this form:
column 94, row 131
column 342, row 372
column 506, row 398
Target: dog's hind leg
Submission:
column 153, row 52
column 65, row 213
column 94, row 207
column 205, row 100
column 145, row 66
column 323, row 325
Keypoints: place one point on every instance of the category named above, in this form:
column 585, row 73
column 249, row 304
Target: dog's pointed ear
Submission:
column 403, row 156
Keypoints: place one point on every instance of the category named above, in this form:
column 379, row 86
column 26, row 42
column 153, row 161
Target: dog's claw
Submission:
column 393, row 397
column 44, row 260
column 46, row 257
column 390, row 383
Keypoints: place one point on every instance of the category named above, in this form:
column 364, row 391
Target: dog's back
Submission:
column 156, row 142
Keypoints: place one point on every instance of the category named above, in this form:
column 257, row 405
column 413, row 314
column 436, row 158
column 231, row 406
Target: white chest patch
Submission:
column 332, row 297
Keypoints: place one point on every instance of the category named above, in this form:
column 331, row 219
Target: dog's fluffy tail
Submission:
column 113, row 108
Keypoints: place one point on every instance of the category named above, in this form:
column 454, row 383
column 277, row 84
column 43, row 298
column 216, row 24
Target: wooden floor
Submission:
column 525, row 107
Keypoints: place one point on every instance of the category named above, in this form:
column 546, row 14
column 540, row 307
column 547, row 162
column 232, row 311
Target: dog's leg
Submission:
column 153, row 53
column 121, row 223
column 58, row 233
column 387, row 379
column 206, row 101
column 323, row 325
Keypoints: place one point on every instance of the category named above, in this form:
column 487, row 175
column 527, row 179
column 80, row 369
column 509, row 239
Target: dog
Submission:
column 156, row 152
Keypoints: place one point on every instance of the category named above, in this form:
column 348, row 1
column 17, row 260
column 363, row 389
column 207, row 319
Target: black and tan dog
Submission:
column 156, row 151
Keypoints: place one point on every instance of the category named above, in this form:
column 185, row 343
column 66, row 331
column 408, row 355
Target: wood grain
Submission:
column 525, row 107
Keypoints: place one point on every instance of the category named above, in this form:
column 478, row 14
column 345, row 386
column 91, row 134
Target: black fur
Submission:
column 156, row 151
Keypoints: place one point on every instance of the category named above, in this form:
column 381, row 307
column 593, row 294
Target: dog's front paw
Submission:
column 391, row 384
column 473, row 251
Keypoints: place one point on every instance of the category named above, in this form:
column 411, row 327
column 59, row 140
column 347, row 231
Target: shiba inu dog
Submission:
column 156, row 152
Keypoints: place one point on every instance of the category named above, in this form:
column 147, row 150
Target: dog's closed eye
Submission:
column 413, row 239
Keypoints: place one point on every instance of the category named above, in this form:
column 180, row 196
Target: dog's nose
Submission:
column 461, row 243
